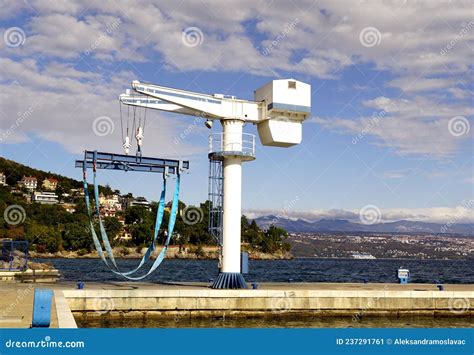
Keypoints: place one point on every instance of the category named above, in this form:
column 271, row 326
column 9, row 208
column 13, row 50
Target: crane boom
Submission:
column 155, row 104
column 212, row 106
column 279, row 107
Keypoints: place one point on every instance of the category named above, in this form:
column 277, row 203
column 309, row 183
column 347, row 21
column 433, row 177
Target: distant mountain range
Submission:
column 343, row 225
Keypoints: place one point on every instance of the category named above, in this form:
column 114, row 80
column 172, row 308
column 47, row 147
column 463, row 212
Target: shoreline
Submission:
column 192, row 256
column 174, row 252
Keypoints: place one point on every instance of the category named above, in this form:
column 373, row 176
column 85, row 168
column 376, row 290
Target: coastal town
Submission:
column 381, row 246
column 48, row 211
column 68, row 195
column 45, row 192
column 49, row 191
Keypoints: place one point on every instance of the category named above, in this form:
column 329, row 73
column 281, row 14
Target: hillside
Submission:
column 342, row 225
column 14, row 172
column 61, row 224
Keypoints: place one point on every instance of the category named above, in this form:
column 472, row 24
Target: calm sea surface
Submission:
column 300, row 270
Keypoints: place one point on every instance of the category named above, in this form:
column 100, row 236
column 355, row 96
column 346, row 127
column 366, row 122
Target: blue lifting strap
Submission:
column 42, row 308
column 159, row 217
column 174, row 212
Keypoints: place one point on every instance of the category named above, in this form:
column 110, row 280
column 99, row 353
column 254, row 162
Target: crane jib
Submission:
column 180, row 95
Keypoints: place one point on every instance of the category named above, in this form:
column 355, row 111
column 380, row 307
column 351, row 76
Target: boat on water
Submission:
column 363, row 256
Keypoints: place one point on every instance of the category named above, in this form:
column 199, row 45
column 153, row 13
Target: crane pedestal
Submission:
column 231, row 148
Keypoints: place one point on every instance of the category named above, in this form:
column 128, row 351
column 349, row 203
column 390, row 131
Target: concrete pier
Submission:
column 275, row 298
column 16, row 306
column 127, row 299
column 30, row 275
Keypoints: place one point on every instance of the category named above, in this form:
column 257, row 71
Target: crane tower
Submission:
column 278, row 110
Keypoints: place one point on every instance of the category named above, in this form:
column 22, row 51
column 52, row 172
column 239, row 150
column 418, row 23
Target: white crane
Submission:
column 278, row 110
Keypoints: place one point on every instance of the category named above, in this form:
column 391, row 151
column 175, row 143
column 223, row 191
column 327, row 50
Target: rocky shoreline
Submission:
column 174, row 252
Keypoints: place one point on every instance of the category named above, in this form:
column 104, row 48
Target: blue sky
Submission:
column 391, row 111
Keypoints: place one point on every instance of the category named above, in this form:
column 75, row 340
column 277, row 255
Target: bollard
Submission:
column 403, row 275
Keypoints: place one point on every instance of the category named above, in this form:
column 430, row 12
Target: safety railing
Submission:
column 244, row 143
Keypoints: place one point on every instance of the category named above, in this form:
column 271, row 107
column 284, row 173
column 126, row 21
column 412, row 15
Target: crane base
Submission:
column 229, row 280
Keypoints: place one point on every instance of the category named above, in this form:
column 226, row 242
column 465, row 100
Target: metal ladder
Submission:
column 215, row 196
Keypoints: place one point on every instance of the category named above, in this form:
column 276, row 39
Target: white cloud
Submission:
column 459, row 214
column 412, row 35
column 413, row 84
column 425, row 46
column 61, row 107
column 64, row 36
column 460, row 93
column 418, row 125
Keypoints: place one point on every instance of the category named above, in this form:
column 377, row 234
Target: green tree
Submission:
column 112, row 226
column 136, row 215
column 77, row 236
column 44, row 237
column 273, row 239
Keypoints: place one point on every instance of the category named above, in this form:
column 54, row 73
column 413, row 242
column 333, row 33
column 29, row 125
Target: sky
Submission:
column 390, row 130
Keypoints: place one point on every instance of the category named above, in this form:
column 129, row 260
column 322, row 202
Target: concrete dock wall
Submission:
column 43, row 276
column 197, row 300
column 206, row 302
column 63, row 311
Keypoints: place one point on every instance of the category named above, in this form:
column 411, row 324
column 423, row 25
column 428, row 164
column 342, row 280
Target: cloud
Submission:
column 60, row 104
column 460, row 93
column 425, row 47
column 64, row 36
column 460, row 214
column 327, row 32
column 414, row 84
column 418, row 125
